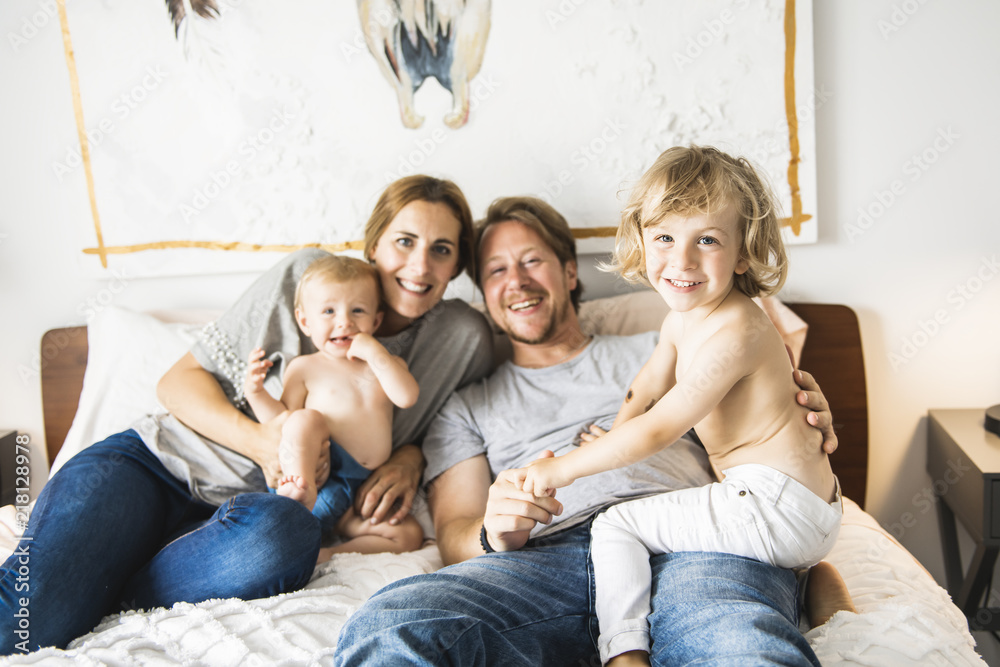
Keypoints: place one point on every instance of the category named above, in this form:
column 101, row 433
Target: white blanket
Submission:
column 904, row 617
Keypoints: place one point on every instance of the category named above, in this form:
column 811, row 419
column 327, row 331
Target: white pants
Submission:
column 756, row 512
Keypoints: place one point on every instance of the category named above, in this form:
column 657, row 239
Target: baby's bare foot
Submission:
column 826, row 594
column 296, row 488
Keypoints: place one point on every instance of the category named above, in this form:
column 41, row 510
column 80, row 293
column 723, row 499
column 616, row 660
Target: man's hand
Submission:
column 592, row 434
column 511, row 513
column 389, row 491
column 812, row 397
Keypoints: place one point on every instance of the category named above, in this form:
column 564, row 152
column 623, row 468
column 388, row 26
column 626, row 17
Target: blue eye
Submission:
column 404, row 241
column 665, row 238
column 708, row 240
column 328, row 311
column 442, row 250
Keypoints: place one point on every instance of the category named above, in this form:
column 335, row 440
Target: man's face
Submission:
column 527, row 289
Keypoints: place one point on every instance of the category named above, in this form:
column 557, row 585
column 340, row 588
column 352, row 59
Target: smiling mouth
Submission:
column 525, row 305
column 411, row 286
column 682, row 283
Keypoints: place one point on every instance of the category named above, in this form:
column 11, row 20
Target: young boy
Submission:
column 701, row 227
column 343, row 393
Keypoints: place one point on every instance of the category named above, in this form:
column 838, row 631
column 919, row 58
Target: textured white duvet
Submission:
column 904, row 617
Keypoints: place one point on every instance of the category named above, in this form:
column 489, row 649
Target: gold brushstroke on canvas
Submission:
column 81, row 129
column 794, row 221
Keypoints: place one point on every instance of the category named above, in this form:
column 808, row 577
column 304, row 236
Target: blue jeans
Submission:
column 336, row 496
column 114, row 530
column 535, row 606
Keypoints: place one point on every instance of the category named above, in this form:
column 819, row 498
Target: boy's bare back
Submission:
column 357, row 410
column 757, row 420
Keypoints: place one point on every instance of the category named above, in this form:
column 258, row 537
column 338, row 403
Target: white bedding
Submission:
column 904, row 617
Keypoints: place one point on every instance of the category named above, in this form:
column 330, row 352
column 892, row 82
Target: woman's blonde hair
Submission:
column 419, row 187
column 338, row 269
column 704, row 180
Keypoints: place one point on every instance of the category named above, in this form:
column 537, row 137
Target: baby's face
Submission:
column 332, row 313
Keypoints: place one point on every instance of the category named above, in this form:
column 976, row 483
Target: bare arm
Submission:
column 463, row 501
column 265, row 406
column 394, row 481
column 194, row 396
column 654, row 379
column 390, row 371
column 686, row 404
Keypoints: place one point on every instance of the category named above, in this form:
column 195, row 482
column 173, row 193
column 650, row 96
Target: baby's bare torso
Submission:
column 357, row 410
column 758, row 421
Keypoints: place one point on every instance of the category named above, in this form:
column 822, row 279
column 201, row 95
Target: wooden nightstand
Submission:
column 963, row 460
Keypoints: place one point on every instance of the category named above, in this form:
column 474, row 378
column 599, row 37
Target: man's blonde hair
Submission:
column 701, row 180
column 338, row 269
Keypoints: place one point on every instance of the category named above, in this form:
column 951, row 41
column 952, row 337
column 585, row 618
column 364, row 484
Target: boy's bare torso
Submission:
column 758, row 420
column 357, row 410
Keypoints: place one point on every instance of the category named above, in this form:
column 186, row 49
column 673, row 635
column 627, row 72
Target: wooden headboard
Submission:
column 832, row 354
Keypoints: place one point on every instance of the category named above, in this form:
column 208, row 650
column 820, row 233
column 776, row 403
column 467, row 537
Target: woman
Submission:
column 175, row 510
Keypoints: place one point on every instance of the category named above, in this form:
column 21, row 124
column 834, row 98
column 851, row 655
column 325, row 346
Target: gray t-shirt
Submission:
column 449, row 347
column 517, row 412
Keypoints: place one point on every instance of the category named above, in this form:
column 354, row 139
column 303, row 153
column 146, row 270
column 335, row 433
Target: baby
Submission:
column 343, row 394
column 701, row 227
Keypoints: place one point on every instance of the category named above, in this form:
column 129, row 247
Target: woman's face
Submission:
column 416, row 256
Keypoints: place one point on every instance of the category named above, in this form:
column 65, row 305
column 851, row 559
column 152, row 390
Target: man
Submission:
column 520, row 592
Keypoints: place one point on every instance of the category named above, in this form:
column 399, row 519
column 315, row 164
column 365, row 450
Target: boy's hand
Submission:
column 542, row 477
column 594, row 433
column 257, row 367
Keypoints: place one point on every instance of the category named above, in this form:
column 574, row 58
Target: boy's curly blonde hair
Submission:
column 701, row 180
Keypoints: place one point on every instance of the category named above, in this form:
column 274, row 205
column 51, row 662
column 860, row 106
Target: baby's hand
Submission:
column 363, row 347
column 257, row 367
column 542, row 477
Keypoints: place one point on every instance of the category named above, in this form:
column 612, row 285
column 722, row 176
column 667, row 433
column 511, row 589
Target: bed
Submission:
column 903, row 616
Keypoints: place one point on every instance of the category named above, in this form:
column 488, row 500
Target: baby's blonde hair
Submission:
column 704, row 180
column 338, row 269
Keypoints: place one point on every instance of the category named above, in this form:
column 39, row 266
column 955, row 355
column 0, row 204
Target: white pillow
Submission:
column 128, row 354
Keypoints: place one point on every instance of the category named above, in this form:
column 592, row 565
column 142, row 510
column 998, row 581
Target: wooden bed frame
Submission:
column 832, row 354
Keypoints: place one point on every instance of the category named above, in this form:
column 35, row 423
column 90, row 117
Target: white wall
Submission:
column 927, row 87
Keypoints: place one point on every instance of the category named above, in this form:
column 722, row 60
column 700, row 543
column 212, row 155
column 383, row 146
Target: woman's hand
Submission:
column 388, row 492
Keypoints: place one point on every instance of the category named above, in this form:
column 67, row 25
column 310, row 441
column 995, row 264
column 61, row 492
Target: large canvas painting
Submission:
column 212, row 134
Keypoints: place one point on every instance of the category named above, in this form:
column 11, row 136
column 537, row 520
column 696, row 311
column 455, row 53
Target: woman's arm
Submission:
column 194, row 396
column 391, row 487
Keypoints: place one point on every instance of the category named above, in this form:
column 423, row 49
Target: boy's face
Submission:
column 692, row 260
column 332, row 313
